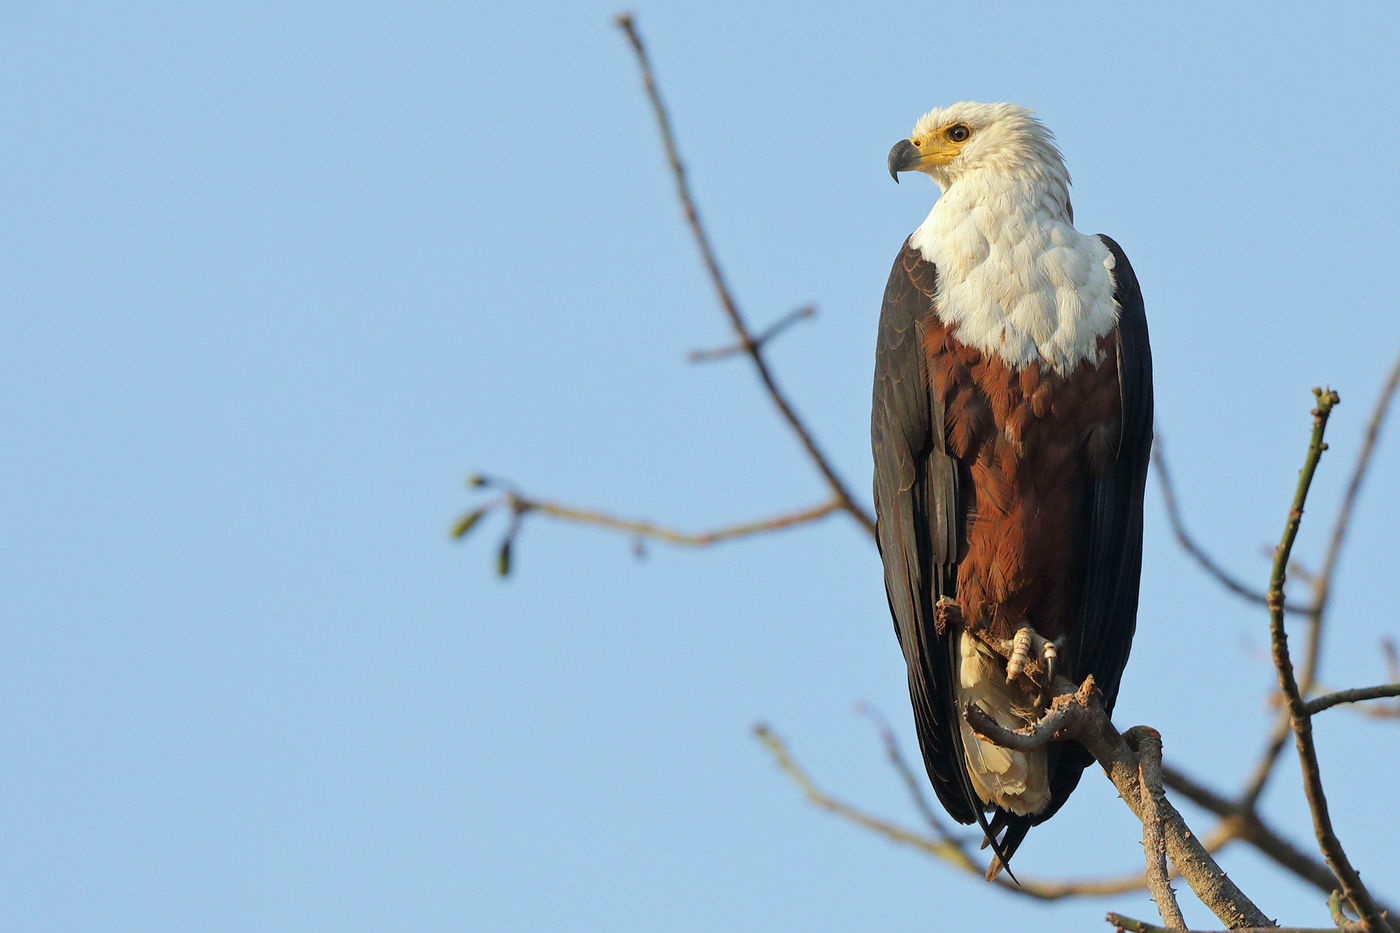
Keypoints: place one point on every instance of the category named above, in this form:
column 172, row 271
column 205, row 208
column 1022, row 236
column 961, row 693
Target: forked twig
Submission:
column 769, row 332
column 519, row 505
column 746, row 339
column 1322, row 585
column 1332, row 851
column 1322, row 588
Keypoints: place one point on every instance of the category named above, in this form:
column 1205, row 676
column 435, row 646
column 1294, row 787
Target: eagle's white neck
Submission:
column 1015, row 279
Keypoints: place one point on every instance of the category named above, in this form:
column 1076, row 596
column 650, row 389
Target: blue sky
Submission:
column 277, row 276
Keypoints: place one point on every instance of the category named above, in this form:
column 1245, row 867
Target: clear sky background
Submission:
column 276, row 277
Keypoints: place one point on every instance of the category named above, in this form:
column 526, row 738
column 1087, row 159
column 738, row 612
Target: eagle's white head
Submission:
column 990, row 142
column 1015, row 279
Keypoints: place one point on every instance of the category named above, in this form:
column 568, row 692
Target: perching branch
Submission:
column 1130, row 925
column 751, row 346
column 1079, row 716
column 1148, row 744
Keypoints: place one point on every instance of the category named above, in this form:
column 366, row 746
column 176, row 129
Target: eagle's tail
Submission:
column 1017, row 782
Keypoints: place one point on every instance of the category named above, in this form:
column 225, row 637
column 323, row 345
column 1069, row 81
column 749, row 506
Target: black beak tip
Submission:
column 902, row 156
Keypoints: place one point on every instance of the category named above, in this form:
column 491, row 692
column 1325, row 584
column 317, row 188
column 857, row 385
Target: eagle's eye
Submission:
column 959, row 133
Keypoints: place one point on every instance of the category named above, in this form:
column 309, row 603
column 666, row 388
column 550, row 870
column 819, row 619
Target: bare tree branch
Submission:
column 942, row 845
column 1247, row 826
column 519, row 505
column 1332, row 851
column 773, row 330
column 1148, row 744
column 1078, row 715
column 1322, row 588
column 1130, row 925
column 1322, row 584
column 726, row 298
column 912, row 783
column 1254, row 787
column 1188, row 543
column 1350, row 696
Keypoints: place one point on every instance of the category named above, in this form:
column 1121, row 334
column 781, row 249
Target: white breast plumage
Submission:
column 1018, row 282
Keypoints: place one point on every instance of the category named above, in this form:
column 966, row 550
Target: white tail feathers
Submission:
column 1015, row 781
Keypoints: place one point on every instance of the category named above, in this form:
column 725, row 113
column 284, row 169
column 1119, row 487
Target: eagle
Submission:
column 1011, row 428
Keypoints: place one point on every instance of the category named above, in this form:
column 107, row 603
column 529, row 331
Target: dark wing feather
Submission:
column 1107, row 612
column 916, row 505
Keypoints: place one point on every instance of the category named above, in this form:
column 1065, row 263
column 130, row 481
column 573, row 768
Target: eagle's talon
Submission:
column 946, row 612
column 1020, row 652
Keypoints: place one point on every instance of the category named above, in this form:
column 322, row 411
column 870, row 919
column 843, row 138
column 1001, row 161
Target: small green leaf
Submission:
column 503, row 559
column 467, row 522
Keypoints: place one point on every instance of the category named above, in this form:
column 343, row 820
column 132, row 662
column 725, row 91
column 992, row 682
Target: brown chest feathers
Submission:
column 1030, row 443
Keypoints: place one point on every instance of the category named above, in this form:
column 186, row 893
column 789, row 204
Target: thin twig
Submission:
column 940, row 848
column 912, row 783
column 1322, row 586
column 1356, row 695
column 1332, row 851
column 1264, row 768
column 726, row 297
column 646, row 529
column 1188, row 543
column 773, row 330
column 1337, row 909
column 944, row 846
column 1148, row 744
column 520, row 505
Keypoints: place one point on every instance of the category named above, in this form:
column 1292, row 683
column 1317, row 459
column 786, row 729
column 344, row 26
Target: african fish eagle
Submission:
column 1011, row 428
